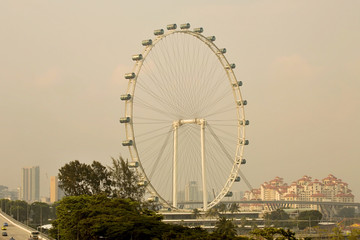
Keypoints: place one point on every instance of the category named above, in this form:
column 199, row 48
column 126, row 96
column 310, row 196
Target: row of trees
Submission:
column 34, row 214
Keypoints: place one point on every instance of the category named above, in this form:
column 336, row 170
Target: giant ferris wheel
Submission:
column 184, row 118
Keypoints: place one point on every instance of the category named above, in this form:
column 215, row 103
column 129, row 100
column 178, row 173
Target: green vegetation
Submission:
column 271, row 233
column 279, row 218
column 34, row 214
column 309, row 219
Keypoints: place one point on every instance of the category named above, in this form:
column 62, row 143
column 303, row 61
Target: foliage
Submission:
column 89, row 217
column 346, row 212
column 33, row 214
column 309, row 219
column 125, row 181
column 337, row 233
column 221, row 207
column 196, row 212
column 117, row 181
column 77, row 178
column 279, row 218
column 212, row 213
column 234, row 207
column 225, row 228
column 354, row 234
column 270, row 233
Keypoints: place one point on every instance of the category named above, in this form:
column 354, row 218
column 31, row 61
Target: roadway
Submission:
column 13, row 230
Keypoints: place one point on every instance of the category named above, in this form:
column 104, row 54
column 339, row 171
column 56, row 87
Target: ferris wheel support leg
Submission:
column 205, row 202
column 175, row 126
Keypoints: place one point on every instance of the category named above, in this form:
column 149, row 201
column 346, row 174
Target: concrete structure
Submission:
column 30, row 184
column 329, row 189
column 54, row 189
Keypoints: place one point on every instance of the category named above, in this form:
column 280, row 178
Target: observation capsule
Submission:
column 153, row 199
column 243, row 161
column 142, row 183
column 222, row 50
column 158, row 32
column 146, row 42
column 243, row 102
column 171, row 26
column 133, row 164
column 244, row 142
column 129, row 75
column 124, row 120
column 185, row 26
column 229, row 194
column 125, row 97
column 127, row 143
column 231, row 66
column 244, row 122
column 137, row 57
column 198, row 30
column 211, row 38
column 237, row 179
column 239, row 83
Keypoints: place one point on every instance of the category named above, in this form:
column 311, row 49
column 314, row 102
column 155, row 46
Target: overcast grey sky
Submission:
column 62, row 65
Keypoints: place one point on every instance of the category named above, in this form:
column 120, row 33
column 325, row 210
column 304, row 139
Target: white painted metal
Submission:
column 175, row 129
column 228, row 68
column 203, row 173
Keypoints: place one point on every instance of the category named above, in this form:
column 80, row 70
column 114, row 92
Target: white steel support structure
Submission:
column 203, row 174
column 176, row 125
column 175, row 128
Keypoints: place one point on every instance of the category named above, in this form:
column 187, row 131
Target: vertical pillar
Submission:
column 175, row 129
column 203, row 175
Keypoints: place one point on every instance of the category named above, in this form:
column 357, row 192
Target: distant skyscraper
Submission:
column 54, row 189
column 192, row 192
column 30, row 184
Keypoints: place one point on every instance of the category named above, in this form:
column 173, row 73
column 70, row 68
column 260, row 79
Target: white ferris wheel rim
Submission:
column 238, row 102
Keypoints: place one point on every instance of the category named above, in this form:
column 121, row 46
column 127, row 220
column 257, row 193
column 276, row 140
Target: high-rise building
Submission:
column 54, row 189
column 192, row 192
column 30, row 184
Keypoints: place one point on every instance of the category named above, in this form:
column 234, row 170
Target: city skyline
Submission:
column 62, row 73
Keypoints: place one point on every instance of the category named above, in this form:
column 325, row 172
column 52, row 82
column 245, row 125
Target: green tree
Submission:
column 196, row 212
column 309, row 219
column 267, row 232
column 278, row 217
column 77, row 178
column 225, row 228
column 346, row 212
column 18, row 210
column 234, row 207
column 354, row 234
column 39, row 213
column 212, row 213
column 337, row 233
column 125, row 182
column 89, row 217
column 271, row 233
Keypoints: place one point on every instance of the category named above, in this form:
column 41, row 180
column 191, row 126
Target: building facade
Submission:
column 30, row 184
column 329, row 189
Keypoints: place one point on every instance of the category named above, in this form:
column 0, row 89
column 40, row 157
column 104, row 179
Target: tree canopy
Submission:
column 91, row 217
column 309, row 218
column 116, row 181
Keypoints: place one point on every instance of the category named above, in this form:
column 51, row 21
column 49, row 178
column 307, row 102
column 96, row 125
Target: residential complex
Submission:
column 329, row 189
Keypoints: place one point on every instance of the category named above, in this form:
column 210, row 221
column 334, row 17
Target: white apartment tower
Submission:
column 30, row 184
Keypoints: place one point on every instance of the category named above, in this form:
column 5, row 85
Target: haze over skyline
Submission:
column 62, row 65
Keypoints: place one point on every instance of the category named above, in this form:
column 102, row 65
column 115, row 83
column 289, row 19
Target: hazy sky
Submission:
column 62, row 65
